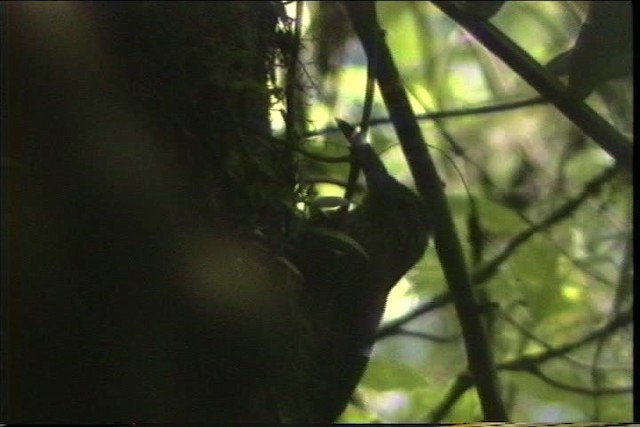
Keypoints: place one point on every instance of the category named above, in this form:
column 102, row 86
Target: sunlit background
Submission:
column 519, row 166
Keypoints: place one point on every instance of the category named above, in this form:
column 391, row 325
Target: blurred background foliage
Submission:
column 524, row 174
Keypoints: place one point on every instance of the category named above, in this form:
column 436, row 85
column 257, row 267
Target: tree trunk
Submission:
column 138, row 166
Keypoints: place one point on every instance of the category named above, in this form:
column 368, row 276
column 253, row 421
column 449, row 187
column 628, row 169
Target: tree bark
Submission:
column 136, row 170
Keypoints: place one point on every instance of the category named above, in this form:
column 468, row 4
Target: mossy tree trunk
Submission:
column 139, row 165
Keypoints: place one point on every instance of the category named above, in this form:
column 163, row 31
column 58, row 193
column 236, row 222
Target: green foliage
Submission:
column 559, row 250
column 384, row 374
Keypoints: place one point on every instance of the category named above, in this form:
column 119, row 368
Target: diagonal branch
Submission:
column 526, row 362
column 587, row 120
column 365, row 22
column 462, row 383
column 486, row 271
column 567, row 209
column 576, row 389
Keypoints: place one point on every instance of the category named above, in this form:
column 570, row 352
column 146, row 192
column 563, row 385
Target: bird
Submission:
column 347, row 268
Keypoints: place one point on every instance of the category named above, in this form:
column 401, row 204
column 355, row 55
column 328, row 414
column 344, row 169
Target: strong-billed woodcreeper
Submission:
column 348, row 268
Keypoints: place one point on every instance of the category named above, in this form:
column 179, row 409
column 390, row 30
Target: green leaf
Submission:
column 604, row 48
column 385, row 374
column 536, row 267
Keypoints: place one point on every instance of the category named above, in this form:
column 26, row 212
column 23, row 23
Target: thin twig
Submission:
column 392, row 326
column 567, row 209
column 530, row 335
column 525, row 362
column 426, row 336
column 576, row 389
column 367, row 108
column 485, row 272
column 445, row 114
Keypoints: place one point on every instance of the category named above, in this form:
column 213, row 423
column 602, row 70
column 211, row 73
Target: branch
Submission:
column 587, row 120
column 365, row 23
column 485, row 272
column 568, row 208
column 530, row 335
column 445, row 114
column 354, row 169
column 462, row 383
column 623, row 290
column 531, row 364
column 525, row 363
column 579, row 390
column 426, row 336
column 392, row 327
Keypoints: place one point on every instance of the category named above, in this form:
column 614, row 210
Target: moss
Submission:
column 202, row 68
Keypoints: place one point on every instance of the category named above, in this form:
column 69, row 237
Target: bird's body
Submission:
column 348, row 268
